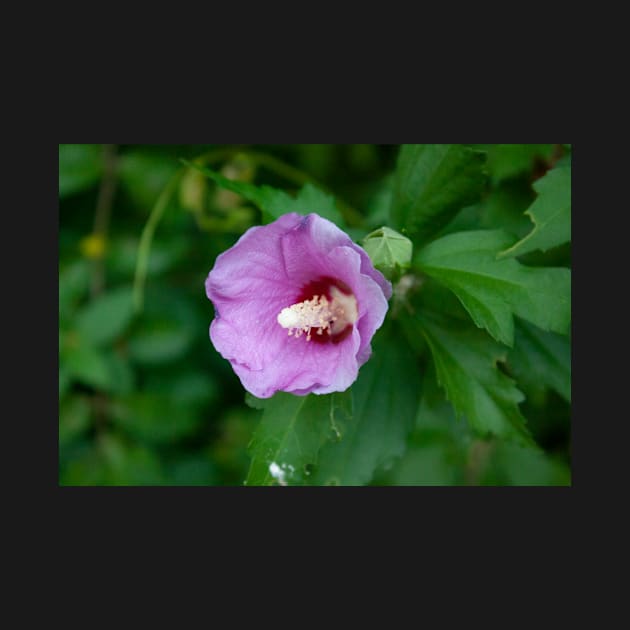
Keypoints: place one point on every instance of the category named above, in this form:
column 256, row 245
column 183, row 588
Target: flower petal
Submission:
column 263, row 273
column 303, row 367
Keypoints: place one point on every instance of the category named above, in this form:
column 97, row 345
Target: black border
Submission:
column 460, row 517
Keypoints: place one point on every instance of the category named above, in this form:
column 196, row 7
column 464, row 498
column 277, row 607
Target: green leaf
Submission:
column 436, row 453
column 122, row 377
column 378, row 204
column 74, row 419
column 492, row 290
column 155, row 418
column 159, row 341
column 512, row 465
column 165, row 254
column 87, row 365
column 504, row 206
column 385, row 402
column 192, row 388
column 64, row 382
column 312, row 199
column 101, row 368
column 83, row 468
column 183, row 386
column 128, row 464
column 506, row 161
column 167, row 328
column 432, row 183
column 106, row 318
column 74, row 281
column 466, row 366
column 389, row 251
column 274, row 203
column 293, row 429
column 254, row 402
column 144, row 174
column 432, row 464
column 319, row 159
column 193, row 470
column 541, row 358
column 436, row 415
column 550, row 213
column 80, row 167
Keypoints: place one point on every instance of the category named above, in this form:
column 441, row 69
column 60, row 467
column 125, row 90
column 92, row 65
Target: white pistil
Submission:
column 319, row 313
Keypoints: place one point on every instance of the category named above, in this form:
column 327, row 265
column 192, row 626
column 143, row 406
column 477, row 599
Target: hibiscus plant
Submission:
column 423, row 338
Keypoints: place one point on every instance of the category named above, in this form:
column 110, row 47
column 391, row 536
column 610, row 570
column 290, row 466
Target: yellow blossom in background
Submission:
column 92, row 246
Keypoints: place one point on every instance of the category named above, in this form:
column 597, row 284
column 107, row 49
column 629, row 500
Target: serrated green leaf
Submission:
column 466, row 366
column 385, row 402
column 492, row 290
column 431, row 184
column 541, row 358
column 436, row 415
column 389, row 251
column 437, row 448
column 550, row 213
column 312, row 199
column 274, row 203
column 80, row 167
column 292, row 431
column 106, row 318
column 504, row 206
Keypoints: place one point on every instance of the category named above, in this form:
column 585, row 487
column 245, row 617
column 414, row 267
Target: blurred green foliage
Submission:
column 144, row 398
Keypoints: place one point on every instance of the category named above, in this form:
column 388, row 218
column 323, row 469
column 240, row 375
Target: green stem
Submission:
column 144, row 248
column 279, row 167
column 288, row 172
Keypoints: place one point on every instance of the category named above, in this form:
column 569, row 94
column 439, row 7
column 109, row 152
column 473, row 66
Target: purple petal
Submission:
column 264, row 272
